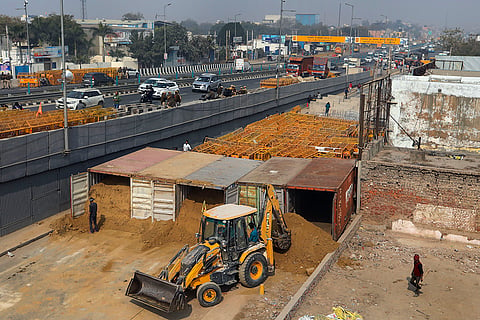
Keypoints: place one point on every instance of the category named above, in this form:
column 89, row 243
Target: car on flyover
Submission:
column 206, row 82
column 149, row 81
column 164, row 86
column 82, row 98
column 93, row 79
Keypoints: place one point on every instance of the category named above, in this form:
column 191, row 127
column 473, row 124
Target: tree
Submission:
column 45, row 31
column 133, row 16
column 116, row 53
column 451, row 40
column 102, row 31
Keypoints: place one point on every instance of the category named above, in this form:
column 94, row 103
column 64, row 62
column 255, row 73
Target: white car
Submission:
column 82, row 98
column 149, row 81
column 164, row 86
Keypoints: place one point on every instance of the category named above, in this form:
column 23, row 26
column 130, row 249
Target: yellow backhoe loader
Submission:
column 225, row 254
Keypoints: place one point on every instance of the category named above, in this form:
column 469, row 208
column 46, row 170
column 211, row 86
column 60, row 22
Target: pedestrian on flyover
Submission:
column 417, row 274
column 171, row 100
column 93, row 216
column 186, row 146
column 163, row 99
column 9, row 80
column 116, row 100
column 3, row 78
column 178, row 98
column 346, row 92
column 327, row 108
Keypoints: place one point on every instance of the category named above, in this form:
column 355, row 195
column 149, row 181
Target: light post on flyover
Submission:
column 66, row 148
column 351, row 44
column 165, row 55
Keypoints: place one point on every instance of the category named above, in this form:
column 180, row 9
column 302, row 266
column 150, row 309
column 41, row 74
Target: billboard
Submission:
column 49, row 52
column 371, row 40
column 318, row 39
column 272, row 38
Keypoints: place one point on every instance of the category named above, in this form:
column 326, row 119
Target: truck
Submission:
column 319, row 68
column 354, row 62
column 241, row 65
column 224, row 255
column 299, row 66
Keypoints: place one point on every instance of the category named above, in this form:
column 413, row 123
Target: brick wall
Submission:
column 438, row 197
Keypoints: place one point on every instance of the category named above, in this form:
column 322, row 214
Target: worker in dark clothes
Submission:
column 253, row 234
column 93, row 216
column 417, row 274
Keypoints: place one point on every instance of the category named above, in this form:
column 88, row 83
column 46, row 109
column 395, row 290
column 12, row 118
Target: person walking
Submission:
column 186, row 146
column 346, row 92
column 327, row 108
column 3, row 78
column 417, row 274
column 178, row 98
column 171, row 100
column 116, row 100
column 93, row 216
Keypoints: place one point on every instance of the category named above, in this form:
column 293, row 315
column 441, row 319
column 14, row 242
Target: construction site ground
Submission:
column 73, row 274
column 371, row 278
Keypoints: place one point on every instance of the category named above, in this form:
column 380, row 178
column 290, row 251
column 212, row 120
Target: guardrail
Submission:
column 182, row 82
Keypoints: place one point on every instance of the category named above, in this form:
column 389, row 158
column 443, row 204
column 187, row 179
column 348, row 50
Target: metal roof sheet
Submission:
column 221, row 173
column 178, row 167
column 134, row 162
column 276, row 171
column 323, row 173
column 229, row 211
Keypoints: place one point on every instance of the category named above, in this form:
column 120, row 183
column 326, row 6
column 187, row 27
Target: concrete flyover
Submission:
column 35, row 171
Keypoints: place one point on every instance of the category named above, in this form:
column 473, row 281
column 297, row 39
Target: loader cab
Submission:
column 228, row 225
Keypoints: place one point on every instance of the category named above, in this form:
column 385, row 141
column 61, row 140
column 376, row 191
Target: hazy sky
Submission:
column 440, row 13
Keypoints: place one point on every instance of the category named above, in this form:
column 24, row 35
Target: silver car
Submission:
column 206, row 82
column 82, row 98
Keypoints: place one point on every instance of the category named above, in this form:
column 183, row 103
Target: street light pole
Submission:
column 64, row 84
column 25, row 2
column 351, row 43
column 165, row 55
column 235, row 17
column 279, row 49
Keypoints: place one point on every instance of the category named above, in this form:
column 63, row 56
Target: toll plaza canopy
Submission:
column 277, row 171
column 174, row 168
column 134, row 162
column 326, row 174
column 221, row 174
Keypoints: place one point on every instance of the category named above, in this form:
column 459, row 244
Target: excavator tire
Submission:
column 209, row 294
column 253, row 271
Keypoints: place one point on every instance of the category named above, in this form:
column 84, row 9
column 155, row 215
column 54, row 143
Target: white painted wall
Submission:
column 443, row 110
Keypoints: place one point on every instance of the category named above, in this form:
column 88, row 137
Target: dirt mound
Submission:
column 309, row 245
column 113, row 199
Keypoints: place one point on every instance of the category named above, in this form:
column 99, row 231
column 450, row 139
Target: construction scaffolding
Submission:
column 289, row 134
column 19, row 122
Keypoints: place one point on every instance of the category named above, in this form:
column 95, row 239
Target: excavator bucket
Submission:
column 155, row 292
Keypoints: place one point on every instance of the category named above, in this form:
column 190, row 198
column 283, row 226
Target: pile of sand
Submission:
column 112, row 196
column 309, row 245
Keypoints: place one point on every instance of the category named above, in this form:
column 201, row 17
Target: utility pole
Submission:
column 64, row 83
column 339, row 13
column 279, row 50
column 165, row 55
column 351, row 44
column 25, row 2
column 84, row 9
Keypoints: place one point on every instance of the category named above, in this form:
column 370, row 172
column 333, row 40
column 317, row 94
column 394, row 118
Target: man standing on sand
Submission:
column 93, row 216
column 417, row 274
column 186, row 146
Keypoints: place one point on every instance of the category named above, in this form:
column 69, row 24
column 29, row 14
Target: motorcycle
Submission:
column 145, row 97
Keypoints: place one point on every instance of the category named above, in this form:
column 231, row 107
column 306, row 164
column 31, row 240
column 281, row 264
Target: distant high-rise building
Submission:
column 307, row 19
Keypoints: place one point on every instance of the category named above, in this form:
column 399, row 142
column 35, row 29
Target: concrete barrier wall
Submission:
column 34, row 171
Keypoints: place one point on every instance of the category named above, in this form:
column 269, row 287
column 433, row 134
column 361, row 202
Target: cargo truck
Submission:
column 241, row 65
column 319, row 68
column 299, row 66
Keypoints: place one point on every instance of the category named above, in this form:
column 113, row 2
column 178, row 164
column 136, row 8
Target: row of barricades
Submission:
column 54, row 77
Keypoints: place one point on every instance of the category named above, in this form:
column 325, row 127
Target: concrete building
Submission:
column 307, row 19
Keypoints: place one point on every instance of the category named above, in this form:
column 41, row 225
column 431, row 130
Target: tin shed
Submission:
column 155, row 191
column 221, row 175
column 324, row 191
column 277, row 171
column 122, row 168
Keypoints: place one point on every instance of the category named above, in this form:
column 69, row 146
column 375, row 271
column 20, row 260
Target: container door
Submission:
column 78, row 193
column 163, row 201
column 281, row 199
column 141, row 198
column 335, row 219
column 248, row 196
column 231, row 194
